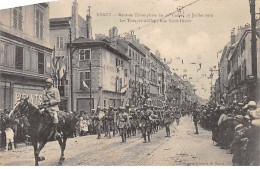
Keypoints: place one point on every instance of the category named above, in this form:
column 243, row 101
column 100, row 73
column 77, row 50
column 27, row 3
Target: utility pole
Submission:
column 254, row 51
column 90, row 95
column 71, row 72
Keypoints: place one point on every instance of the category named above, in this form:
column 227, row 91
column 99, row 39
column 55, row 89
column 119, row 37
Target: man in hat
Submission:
column 167, row 121
column 98, row 116
column 123, row 120
column 146, row 123
column 51, row 98
column 240, row 141
column 196, row 117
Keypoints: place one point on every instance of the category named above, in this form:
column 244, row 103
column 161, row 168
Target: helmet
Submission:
column 49, row 80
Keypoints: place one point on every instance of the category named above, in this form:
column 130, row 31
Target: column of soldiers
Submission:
column 232, row 129
column 128, row 121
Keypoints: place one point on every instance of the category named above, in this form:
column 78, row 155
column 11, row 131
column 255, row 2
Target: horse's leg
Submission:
column 41, row 145
column 36, row 157
column 63, row 148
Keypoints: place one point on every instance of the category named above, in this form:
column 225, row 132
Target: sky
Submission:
column 196, row 41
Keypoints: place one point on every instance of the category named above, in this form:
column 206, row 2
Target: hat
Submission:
column 252, row 104
column 240, row 104
column 246, row 106
column 98, row 107
column 255, row 113
column 239, row 118
column 49, row 80
column 238, row 127
column 222, row 108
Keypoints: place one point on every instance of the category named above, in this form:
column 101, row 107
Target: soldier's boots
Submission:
column 144, row 136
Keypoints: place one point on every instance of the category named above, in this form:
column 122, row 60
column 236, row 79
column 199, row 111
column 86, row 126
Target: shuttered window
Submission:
column 40, row 63
column 18, row 18
column 39, row 24
column 19, row 58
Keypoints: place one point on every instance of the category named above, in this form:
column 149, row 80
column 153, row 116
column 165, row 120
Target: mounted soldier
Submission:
column 51, row 99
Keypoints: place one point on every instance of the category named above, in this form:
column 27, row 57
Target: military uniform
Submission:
column 167, row 122
column 195, row 117
column 146, row 124
column 51, row 98
column 123, row 120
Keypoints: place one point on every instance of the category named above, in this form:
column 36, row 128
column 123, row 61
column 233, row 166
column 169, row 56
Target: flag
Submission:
column 62, row 68
column 124, row 88
column 84, row 84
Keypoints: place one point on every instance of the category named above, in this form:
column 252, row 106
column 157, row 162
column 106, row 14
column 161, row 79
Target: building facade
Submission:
column 25, row 53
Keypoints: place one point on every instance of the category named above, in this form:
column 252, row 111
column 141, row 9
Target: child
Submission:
column 9, row 137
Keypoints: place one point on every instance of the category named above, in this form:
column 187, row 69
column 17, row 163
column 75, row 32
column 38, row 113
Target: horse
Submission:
column 41, row 127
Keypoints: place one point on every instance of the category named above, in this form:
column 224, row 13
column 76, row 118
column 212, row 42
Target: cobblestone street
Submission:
column 183, row 148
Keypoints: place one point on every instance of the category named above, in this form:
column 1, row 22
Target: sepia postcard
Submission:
column 130, row 83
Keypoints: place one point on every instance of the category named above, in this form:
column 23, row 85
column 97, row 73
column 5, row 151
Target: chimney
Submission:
column 75, row 17
column 113, row 33
column 233, row 37
column 88, row 25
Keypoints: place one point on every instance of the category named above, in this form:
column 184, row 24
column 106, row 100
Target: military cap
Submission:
column 49, row 80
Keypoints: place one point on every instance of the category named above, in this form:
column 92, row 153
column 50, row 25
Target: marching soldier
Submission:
column 167, row 121
column 146, row 123
column 98, row 121
column 123, row 120
column 195, row 117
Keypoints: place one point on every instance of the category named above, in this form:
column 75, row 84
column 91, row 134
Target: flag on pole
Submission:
column 62, row 68
column 124, row 88
column 84, row 84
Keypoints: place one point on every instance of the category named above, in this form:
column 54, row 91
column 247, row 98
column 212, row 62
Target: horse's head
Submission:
column 21, row 108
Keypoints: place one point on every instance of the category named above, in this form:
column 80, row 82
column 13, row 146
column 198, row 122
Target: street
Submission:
column 183, row 148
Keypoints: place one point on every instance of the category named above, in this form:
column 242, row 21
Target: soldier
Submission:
column 146, row 123
column 98, row 121
column 195, row 117
column 123, row 120
column 167, row 121
column 51, row 99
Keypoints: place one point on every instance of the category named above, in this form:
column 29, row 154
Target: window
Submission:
column 116, row 62
column 19, row 58
column 59, row 43
column 40, row 63
column 125, row 72
column 39, row 24
column 130, row 52
column 3, row 52
column 85, row 76
column 84, row 54
column 18, row 18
